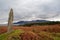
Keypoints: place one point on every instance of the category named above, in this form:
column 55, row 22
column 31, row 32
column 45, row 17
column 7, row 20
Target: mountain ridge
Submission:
column 27, row 22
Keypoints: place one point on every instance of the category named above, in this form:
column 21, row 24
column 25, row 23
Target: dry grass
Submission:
column 36, row 28
column 35, row 32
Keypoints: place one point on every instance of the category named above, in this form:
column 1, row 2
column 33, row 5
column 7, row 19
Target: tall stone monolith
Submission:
column 10, row 21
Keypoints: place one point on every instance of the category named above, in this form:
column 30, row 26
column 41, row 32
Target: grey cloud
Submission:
column 26, row 8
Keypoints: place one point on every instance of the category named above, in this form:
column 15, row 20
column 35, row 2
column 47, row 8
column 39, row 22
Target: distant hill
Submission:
column 37, row 22
column 33, row 22
column 29, row 22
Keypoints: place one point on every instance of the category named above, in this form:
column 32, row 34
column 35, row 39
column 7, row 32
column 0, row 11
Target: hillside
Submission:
column 36, row 22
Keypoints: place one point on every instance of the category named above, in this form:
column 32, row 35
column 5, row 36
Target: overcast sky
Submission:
column 30, row 9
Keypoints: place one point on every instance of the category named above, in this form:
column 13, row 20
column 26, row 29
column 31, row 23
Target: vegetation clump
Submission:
column 43, row 23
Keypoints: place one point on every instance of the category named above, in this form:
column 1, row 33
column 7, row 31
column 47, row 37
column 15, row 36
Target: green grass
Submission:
column 56, row 36
column 16, row 33
column 13, row 33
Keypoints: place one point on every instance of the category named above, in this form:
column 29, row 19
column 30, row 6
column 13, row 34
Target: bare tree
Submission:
column 10, row 21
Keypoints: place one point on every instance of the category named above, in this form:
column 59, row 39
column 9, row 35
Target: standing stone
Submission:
column 10, row 21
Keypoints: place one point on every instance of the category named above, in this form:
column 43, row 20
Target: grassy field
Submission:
column 35, row 32
column 7, row 36
column 15, row 35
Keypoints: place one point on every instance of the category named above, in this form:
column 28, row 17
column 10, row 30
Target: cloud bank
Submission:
column 30, row 9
